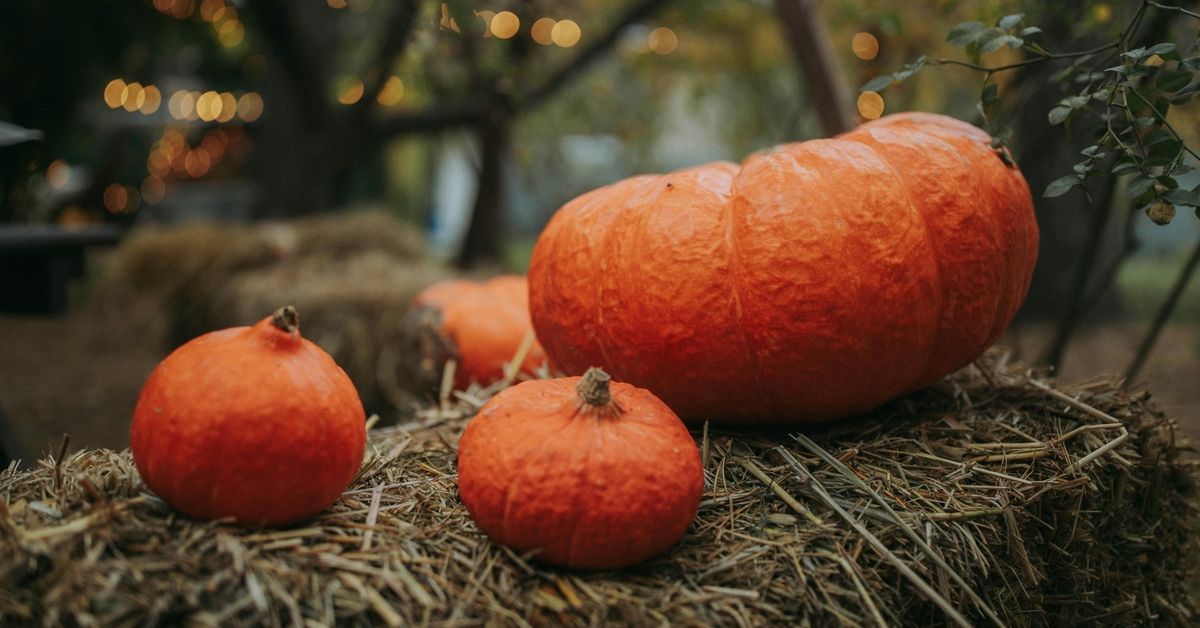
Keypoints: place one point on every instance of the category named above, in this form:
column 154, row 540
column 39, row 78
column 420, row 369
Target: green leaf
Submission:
column 1091, row 151
column 1140, row 186
column 1182, row 197
column 1172, row 80
column 1187, row 93
column 1010, row 22
column 1159, row 49
column 879, row 83
column 1144, row 122
column 1030, row 30
column 1164, row 153
column 1059, row 114
column 1062, row 185
column 1125, row 168
column 965, row 33
column 999, row 42
column 1157, row 136
column 911, row 68
column 1135, row 54
column 1075, row 102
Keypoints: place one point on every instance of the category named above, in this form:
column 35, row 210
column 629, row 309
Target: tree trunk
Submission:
column 812, row 50
column 481, row 244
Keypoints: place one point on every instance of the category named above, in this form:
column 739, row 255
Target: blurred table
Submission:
column 38, row 262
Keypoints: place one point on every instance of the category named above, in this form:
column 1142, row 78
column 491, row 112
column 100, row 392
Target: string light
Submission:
column 566, row 33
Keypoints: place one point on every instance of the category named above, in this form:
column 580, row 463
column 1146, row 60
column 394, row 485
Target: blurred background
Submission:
column 169, row 167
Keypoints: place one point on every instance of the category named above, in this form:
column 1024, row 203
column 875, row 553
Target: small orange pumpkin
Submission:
column 581, row 473
column 811, row 281
column 254, row 423
column 479, row 324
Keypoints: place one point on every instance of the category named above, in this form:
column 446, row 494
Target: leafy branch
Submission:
column 1130, row 90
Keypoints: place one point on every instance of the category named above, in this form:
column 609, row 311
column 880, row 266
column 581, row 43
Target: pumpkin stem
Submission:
column 287, row 319
column 593, row 387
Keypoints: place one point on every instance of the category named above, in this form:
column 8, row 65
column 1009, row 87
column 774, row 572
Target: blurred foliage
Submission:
column 1130, row 90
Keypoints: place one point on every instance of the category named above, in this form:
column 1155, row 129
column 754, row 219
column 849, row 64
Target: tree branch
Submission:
column 1164, row 314
column 276, row 25
column 396, row 30
column 639, row 10
column 434, row 119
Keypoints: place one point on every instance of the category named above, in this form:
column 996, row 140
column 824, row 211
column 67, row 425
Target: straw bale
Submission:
column 997, row 495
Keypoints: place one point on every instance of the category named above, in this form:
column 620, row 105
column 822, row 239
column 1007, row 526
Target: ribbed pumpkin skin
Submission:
column 815, row 280
column 486, row 322
column 253, row 423
column 582, row 490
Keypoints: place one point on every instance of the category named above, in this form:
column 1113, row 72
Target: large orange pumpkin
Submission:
column 579, row 473
column 254, row 423
column 479, row 324
column 812, row 281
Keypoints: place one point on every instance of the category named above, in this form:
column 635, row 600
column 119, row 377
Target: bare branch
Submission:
column 639, row 10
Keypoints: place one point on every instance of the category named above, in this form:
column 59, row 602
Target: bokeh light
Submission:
column 392, row 92
column 151, row 99
column 112, row 93
column 132, row 97
column 231, row 33
column 504, row 25
column 541, row 31
column 663, row 40
column 228, row 107
column 336, row 4
column 153, row 189
column 351, row 93
column 566, row 33
column 865, row 46
column 250, row 106
column 870, row 105
column 208, row 106
column 57, row 174
column 116, row 198
column 212, row 10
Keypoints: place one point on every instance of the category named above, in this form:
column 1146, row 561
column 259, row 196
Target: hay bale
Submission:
column 352, row 276
column 992, row 493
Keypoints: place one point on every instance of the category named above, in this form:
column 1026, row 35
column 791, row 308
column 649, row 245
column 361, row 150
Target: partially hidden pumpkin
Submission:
column 478, row 324
column 254, row 423
column 812, row 281
column 579, row 472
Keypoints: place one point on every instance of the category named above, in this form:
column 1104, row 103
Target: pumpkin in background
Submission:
column 479, row 324
column 581, row 473
column 254, row 423
column 812, row 281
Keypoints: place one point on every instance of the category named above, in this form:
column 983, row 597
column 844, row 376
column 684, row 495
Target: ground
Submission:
column 81, row 376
